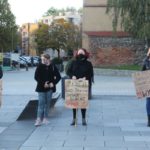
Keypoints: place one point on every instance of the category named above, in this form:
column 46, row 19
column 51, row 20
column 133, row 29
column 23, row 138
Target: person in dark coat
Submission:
column 1, row 72
column 47, row 76
column 81, row 68
column 146, row 66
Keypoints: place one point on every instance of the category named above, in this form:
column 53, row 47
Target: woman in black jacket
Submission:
column 47, row 76
column 146, row 66
column 81, row 68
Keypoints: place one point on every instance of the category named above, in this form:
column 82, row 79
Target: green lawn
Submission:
column 123, row 67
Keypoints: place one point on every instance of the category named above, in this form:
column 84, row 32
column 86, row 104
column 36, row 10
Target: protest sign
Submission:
column 142, row 83
column 76, row 93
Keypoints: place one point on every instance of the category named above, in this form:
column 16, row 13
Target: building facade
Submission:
column 73, row 17
column 98, row 37
column 28, row 38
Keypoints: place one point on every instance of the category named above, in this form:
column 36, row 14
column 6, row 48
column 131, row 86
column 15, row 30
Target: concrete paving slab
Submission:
column 116, row 120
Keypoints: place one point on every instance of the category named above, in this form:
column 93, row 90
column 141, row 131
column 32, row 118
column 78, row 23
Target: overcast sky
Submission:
column 32, row 10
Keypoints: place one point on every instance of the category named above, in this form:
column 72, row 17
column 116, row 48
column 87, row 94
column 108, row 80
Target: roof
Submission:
column 107, row 33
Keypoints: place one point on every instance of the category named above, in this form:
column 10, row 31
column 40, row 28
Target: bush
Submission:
column 57, row 60
column 67, row 66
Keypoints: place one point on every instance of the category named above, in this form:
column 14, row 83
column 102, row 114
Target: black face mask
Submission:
column 81, row 56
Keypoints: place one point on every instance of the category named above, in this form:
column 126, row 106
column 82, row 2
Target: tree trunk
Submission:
column 58, row 53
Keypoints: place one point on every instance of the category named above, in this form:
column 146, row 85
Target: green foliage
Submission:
column 57, row 60
column 60, row 35
column 64, row 35
column 52, row 11
column 42, row 37
column 8, row 28
column 134, row 15
column 55, row 12
column 123, row 67
column 68, row 65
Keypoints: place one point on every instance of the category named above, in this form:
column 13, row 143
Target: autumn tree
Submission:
column 42, row 37
column 64, row 35
column 134, row 16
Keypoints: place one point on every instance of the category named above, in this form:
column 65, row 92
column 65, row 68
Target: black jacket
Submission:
column 1, row 72
column 80, row 69
column 45, row 73
column 146, row 65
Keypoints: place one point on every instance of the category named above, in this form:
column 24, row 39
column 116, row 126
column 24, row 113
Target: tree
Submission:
column 8, row 28
column 64, row 35
column 42, row 37
column 134, row 16
column 55, row 12
column 52, row 12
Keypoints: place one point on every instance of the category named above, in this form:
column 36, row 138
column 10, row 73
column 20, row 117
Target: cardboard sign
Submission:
column 76, row 93
column 142, row 83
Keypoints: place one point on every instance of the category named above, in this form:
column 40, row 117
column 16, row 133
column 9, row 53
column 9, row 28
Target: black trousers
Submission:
column 83, row 112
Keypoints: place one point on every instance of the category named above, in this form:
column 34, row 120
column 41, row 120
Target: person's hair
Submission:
column 85, row 51
column 47, row 56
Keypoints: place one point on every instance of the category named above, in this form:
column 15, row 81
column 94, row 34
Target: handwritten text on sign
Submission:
column 142, row 83
column 76, row 93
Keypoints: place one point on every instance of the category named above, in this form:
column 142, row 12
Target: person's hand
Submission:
column 84, row 78
column 74, row 77
column 46, row 85
column 51, row 85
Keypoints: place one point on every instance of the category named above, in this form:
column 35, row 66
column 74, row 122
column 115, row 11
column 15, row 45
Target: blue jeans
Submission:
column 44, row 103
column 148, row 105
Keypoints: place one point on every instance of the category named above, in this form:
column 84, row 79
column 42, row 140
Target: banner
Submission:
column 142, row 83
column 76, row 93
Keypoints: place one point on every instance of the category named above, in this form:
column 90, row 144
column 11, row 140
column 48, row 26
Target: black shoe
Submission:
column 73, row 122
column 148, row 123
column 84, row 122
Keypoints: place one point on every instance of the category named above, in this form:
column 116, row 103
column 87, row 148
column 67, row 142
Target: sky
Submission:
column 31, row 10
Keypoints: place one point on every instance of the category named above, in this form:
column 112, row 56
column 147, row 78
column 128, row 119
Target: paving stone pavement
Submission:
column 116, row 120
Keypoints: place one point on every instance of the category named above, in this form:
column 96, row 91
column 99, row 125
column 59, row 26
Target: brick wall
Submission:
column 108, row 51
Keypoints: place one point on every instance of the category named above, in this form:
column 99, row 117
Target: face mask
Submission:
column 81, row 56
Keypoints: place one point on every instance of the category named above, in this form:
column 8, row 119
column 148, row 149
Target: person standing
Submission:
column 146, row 66
column 81, row 68
column 47, row 76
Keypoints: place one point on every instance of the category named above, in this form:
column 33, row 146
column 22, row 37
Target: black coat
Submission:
column 146, row 65
column 45, row 73
column 80, row 69
column 1, row 72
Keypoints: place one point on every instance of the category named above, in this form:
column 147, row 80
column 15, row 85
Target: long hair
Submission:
column 87, row 54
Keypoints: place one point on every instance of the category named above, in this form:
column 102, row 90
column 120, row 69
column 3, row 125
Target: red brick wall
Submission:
column 108, row 51
column 113, row 56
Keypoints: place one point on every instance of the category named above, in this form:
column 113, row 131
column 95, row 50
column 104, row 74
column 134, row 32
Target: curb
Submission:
column 113, row 72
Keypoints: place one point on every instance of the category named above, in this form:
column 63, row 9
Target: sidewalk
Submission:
column 116, row 121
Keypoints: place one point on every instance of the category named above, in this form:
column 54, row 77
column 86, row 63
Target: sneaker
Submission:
column 45, row 121
column 38, row 122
